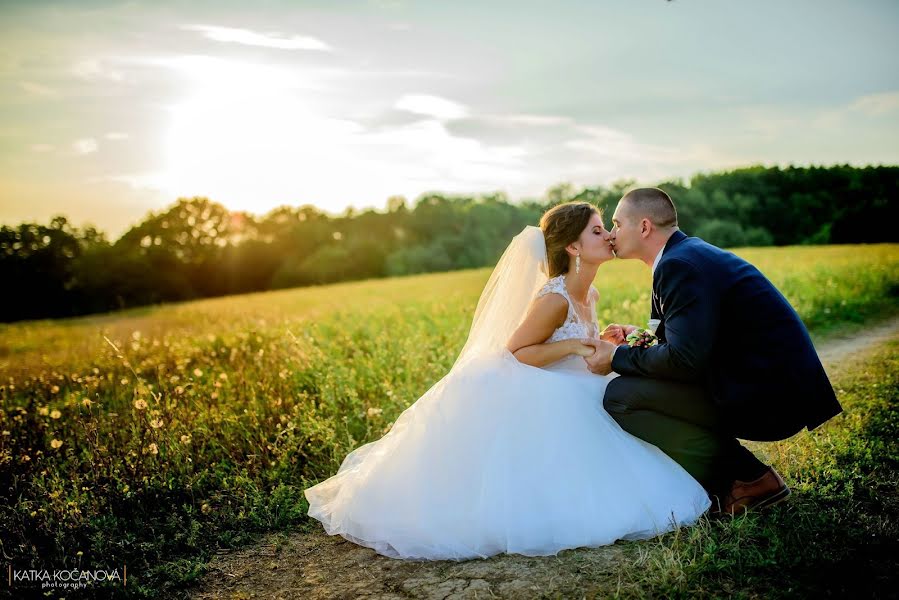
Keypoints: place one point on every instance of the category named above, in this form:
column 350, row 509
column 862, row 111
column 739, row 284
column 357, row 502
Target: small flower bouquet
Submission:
column 642, row 338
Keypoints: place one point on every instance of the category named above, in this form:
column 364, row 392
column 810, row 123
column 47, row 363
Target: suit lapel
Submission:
column 657, row 302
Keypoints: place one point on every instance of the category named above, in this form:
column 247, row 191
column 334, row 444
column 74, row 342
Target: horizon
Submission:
column 112, row 111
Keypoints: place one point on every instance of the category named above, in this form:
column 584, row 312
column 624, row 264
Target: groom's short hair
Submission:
column 653, row 204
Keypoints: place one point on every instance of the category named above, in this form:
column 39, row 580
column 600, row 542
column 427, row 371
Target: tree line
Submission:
column 197, row 248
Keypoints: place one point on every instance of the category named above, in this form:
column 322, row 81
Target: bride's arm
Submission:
column 528, row 342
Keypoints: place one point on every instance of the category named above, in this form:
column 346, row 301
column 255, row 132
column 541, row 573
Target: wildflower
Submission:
column 205, row 508
column 43, row 411
column 153, row 449
column 374, row 411
column 55, row 414
column 140, row 404
column 86, row 402
column 55, row 443
column 197, row 372
column 223, row 376
column 185, row 439
column 156, row 424
column 54, row 389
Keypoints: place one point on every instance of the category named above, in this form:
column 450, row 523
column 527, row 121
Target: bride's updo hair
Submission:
column 561, row 225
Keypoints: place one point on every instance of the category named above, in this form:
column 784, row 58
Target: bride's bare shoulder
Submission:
column 551, row 307
column 552, row 299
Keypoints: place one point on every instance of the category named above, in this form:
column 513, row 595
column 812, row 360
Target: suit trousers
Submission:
column 682, row 421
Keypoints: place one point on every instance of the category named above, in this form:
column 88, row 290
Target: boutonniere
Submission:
column 642, row 338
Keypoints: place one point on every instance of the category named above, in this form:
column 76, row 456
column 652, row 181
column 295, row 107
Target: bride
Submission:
column 512, row 450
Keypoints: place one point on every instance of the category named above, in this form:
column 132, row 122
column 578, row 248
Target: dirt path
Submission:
column 313, row 565
column 835, row 349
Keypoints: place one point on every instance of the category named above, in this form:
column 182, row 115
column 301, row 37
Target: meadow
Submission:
column 154, row 436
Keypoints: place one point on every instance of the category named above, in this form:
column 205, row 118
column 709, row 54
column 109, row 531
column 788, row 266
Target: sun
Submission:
column 244, row 136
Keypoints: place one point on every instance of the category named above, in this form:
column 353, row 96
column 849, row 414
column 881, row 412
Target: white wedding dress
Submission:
column 499, row 456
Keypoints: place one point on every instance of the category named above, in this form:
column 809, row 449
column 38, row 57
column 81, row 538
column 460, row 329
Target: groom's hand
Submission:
column 600, row 362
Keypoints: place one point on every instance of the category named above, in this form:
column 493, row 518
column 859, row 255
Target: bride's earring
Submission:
column 577, row 263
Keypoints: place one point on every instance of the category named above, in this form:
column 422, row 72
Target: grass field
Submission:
column 152, row 436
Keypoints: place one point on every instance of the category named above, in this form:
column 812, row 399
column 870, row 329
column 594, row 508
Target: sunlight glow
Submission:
column 243, row 136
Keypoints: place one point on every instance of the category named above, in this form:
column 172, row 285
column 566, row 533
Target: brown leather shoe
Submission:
column 767, row 490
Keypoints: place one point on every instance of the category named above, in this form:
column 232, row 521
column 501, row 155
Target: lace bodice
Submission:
column 575, row 325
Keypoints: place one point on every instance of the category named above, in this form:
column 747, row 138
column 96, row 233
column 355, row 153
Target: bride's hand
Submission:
column 614, row 334
column 583, row 347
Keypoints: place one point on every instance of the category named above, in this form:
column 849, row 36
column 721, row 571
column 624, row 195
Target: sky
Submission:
column 110, row 110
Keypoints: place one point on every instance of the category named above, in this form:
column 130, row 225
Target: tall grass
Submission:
column 153, row 436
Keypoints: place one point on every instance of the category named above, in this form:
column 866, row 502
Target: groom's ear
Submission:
column 645, row 227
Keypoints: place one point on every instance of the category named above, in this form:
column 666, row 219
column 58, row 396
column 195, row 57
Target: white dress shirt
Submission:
column 656, row 261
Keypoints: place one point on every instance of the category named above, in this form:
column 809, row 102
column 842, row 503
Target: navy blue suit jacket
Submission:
column 726, row 327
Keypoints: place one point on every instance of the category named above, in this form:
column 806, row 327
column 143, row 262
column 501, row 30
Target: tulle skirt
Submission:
column 501, row 457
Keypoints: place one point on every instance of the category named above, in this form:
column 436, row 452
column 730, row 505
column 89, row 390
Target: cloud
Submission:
column 610, row 143
column 876, row 104
column 537, row 120
column 882, row 104
column 38, row 90
column 85, row 146
column 93, row 69
column 211, row 75
column 253, row 38
column 432, row 106
column 436, row 147
column 116, row 136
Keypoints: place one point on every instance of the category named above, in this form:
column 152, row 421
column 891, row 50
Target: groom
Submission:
column 734, row 360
